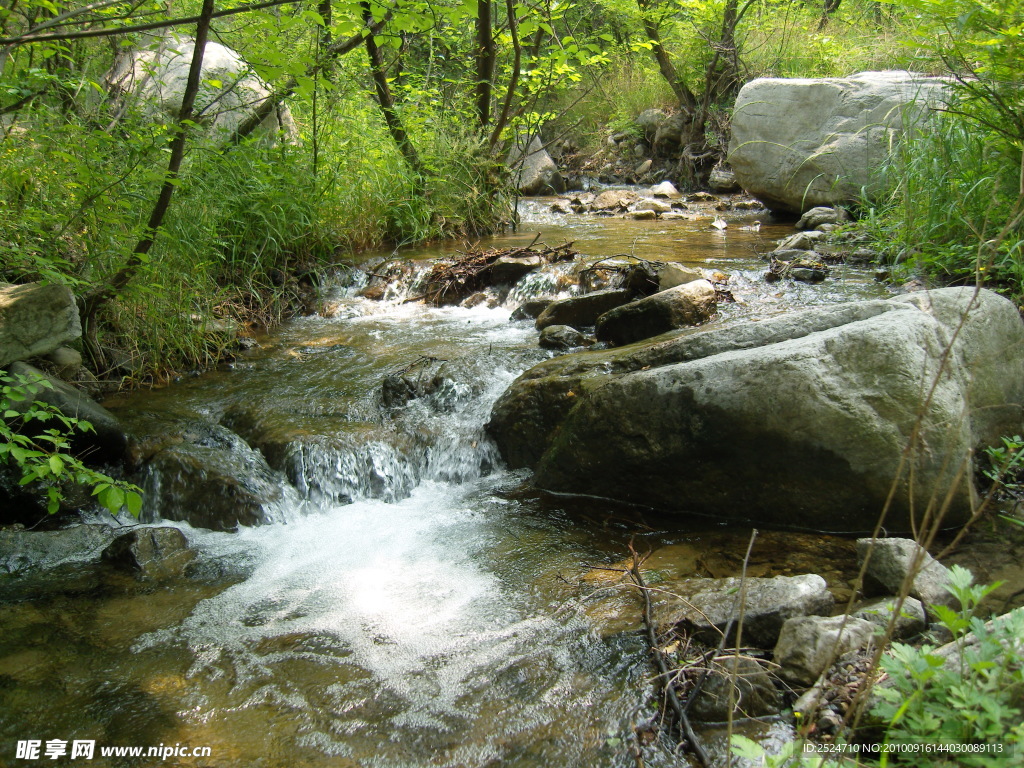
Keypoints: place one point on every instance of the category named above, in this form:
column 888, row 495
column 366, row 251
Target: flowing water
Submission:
column 408, row 604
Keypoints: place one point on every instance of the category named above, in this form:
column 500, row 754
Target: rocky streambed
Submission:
column 407, row 527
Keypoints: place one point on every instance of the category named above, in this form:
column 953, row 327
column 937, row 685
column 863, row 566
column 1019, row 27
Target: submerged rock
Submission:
column 531, row 309
column 798, row 420
column 425, row 377
column 201, row 473
column 563, row 337
column 741, row 680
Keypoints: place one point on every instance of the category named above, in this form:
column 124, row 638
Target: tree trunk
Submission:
column 686, row 98
column 387, row 103
column 334, row 51
column 99, row 296
column 513, row 83
column 485, row 58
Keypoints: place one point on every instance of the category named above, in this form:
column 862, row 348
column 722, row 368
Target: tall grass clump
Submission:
column 957, row 188
column 954, row 189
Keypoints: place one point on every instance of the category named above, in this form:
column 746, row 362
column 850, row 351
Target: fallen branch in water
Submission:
column 664, row 677
column 452, row 280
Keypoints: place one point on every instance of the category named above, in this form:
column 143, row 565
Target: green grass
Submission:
column 953, row 192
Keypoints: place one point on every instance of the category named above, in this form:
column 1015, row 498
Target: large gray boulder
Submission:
column 802, row 142
column 800, row 420
column 534, row 170
column 35, row 319
column 230, row 92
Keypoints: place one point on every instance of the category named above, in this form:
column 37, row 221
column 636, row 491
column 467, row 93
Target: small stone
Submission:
column 809, row 644
column 645, row 215
column 658, row 206
column 562, row 337
column 822, row 214
column 474, row 300
column 801, row 241
column 911, row 621
column 150, row 553
column 889, row 562
column 807, row 274
column 664, row 189
column 722, row 180
column 645, row 166
column 672, row 274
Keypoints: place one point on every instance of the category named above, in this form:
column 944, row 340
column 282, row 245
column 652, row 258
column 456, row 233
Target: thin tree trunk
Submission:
column 686, row 98
column 513, row 83
column 387, row 103
column 99, row 296
column 486, row 54
column 335, row 50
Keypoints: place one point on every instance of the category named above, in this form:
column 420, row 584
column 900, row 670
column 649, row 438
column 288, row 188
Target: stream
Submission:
column 408, row 603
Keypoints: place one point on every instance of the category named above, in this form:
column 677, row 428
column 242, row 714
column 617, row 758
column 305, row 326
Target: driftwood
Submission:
column 452, row 280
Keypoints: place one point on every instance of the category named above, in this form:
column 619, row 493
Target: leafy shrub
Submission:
column 975, row 696
column 42, row 455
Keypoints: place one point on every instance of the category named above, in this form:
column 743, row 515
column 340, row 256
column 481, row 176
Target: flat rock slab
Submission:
column 23, row 550
column 582, row 311
column 35, row 319
column 692, row 303
column 106, row 442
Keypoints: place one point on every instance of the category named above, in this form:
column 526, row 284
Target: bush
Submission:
column 41, row 454
column 972, row 697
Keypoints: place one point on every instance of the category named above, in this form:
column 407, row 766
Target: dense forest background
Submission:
column 403, row 115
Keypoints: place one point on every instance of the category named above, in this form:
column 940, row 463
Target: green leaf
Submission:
column 134, row 503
